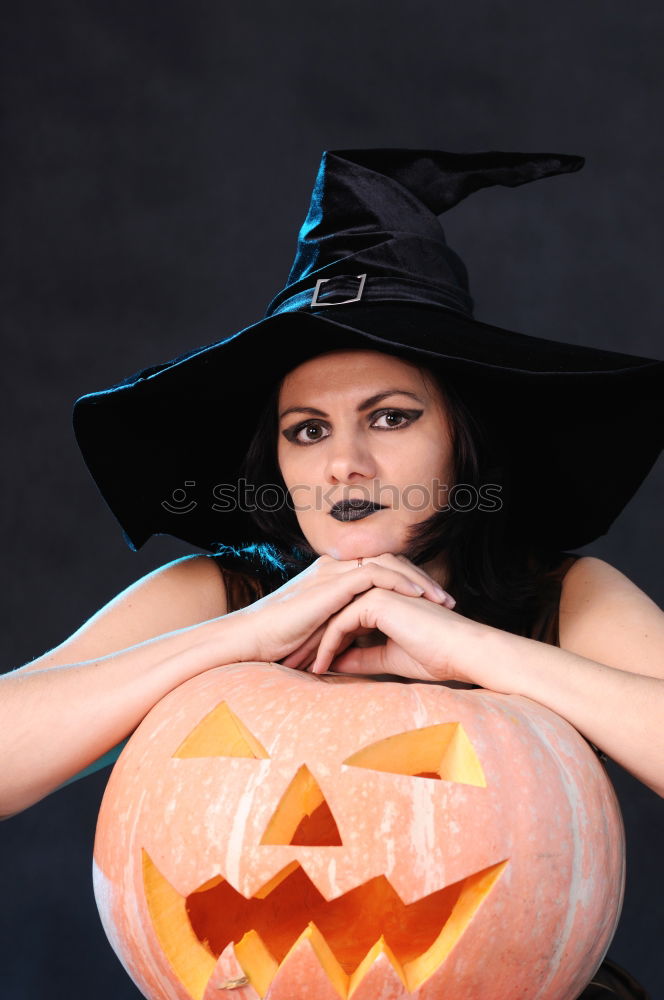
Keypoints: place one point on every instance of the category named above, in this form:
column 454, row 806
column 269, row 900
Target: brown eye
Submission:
column 395, row 419
column 307, row 433
column 312, row 432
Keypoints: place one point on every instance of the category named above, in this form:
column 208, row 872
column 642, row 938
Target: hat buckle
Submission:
column 343, row 302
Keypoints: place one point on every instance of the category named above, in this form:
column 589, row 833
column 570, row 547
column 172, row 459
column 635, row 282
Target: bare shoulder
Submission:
column 590, row 579
column 593, row 573
column 176, row 595
column 605, row 616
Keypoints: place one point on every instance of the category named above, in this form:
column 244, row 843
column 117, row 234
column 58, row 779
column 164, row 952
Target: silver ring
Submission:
column 359, row 562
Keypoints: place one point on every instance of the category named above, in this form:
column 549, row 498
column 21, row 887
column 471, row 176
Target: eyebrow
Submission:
column 366, row 405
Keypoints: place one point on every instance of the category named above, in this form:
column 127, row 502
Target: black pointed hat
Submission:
column 373, row 271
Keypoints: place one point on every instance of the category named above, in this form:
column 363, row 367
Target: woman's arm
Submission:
column 69, row 707
column 618, row 710
column 607, row 680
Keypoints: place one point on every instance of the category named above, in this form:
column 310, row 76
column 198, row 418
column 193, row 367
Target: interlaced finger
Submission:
column 431, row 589
column 340, row 632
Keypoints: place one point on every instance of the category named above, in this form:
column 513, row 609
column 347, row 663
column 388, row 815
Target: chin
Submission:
column 360, row 541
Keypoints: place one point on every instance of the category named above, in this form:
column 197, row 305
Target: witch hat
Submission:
column 373, row 271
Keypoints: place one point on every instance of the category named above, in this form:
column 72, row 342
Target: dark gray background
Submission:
column 158, row 164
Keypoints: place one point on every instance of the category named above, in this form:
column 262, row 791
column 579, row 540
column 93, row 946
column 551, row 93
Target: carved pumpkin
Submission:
column 269, row 833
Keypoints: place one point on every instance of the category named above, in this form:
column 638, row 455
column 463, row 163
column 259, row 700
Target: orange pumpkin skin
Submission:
column 468, row 843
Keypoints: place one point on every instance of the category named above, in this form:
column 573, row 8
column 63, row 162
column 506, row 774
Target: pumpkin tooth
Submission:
column 266, row 889
column 376, row 960
column 257, row 961
column 229, row 981
column 190, row 958
column 310, row 968
column 421, row 934
column 473, row 892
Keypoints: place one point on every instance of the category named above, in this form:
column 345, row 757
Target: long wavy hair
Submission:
column 497, row 576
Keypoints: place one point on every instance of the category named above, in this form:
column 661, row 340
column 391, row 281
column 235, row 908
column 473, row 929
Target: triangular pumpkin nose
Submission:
column 303, row 815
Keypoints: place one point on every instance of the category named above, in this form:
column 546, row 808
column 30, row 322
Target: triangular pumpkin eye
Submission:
column 221, row 734
column 443, row 752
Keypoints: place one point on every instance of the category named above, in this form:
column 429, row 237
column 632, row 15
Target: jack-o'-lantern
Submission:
column 269, row 833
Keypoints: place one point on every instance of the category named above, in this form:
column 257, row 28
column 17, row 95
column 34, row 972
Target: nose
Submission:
column 348, row 458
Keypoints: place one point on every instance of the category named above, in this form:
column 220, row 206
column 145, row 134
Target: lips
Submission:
column 354, row 510
column 345, row 934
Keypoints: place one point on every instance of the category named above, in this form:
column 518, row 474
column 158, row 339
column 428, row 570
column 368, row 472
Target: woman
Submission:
column 401, row 506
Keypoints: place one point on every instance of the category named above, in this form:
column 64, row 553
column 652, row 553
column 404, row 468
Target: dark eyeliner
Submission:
column 290, row 433
column 411, row 417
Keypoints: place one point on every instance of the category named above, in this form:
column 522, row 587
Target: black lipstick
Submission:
column 353, row 510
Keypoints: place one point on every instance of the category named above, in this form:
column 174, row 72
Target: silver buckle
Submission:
column 344, row 302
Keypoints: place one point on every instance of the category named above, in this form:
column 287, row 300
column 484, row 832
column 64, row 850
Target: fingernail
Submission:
column 415, row 587
column 450, row 601
column 439, row 591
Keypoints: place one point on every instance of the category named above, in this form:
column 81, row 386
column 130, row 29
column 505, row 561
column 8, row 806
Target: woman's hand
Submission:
column 293, row 618
column 424, row 639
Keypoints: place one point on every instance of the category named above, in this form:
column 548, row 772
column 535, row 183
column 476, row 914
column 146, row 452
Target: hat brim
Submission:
column 586, row 424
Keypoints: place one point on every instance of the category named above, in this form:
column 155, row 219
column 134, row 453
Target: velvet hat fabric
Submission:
column 373, row 270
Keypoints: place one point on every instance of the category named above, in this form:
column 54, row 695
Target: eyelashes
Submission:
column 406, row 418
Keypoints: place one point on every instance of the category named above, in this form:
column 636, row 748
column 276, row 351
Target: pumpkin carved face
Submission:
column 268, row 833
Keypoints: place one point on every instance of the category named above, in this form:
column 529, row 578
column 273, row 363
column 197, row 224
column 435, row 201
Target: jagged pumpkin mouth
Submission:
column 347, row 934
